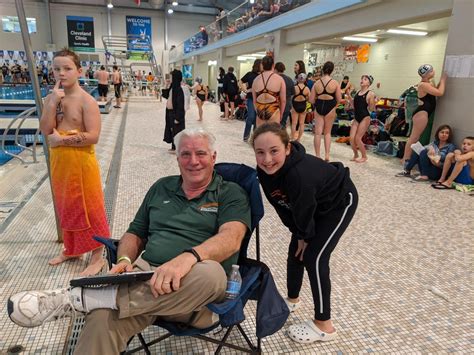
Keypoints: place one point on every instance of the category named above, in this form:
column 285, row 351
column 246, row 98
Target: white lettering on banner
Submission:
column 138, row 20
column 80, row 38
column 82, row 33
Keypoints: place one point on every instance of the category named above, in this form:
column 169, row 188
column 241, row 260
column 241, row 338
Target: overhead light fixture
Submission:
column 110, row 5
column 407, row 32
column 360, row 39
column 174, row 3
column 211, row 62
column 252, row 1
column 244, row 58
column 170, row 11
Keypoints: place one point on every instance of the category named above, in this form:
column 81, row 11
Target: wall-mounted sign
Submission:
column 80, row 33
column 138, row 33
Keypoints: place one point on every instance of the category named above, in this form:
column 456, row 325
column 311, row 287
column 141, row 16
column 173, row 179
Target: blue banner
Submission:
column 138, row 33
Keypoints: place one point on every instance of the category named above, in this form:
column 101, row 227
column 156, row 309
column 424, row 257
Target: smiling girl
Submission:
column 316, row 200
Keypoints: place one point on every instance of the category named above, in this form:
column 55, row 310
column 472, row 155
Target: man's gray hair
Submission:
column 194, row 133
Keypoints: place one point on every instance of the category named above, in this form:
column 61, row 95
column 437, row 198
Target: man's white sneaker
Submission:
column 33, row 308
column 292, row 306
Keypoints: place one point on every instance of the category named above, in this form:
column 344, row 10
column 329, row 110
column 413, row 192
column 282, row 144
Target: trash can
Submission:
column 411, row 103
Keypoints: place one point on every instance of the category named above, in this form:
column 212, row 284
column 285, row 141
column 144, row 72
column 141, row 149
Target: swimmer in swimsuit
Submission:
column 298, row 111
column 325, row 94
column 269, row 94
column 427, row 93
column 201, row 95
column 363, row 102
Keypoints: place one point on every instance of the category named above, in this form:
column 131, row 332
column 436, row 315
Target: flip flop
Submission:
column 442, row 187
column 308, row 332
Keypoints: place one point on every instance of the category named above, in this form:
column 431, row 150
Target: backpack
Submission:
column 399, row 127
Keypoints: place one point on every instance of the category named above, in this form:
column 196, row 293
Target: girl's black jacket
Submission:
column 305, row 189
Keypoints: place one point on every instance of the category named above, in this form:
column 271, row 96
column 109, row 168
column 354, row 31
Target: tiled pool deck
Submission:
column 401, row 274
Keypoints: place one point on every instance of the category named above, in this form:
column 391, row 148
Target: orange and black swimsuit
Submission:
column 265, row 111
column 201, row 93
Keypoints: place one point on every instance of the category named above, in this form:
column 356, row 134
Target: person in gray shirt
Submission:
column 290, row 91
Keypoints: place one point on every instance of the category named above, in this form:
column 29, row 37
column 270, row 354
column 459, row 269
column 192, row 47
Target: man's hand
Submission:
column 54, row 139
column 167, row 277
column 301, row 248
column 121, row 267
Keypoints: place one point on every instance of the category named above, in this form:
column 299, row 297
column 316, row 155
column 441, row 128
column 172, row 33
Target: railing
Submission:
column 22, row 117
column 245, row 15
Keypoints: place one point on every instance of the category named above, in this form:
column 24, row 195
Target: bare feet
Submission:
column 354, row 158
column 361, row 160
column 60, row 259
column 93, row 268
column 326, row 158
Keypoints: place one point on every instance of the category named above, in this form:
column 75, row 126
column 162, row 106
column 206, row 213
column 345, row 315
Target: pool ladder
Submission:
column 21, row 118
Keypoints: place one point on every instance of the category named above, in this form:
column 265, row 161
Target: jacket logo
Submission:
column 209, row 207
column 281, row 199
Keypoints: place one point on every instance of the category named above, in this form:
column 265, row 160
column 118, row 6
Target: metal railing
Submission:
column 244, row 16
column 21, row 118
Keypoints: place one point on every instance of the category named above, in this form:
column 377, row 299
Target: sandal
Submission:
column 441, row 186
column 308, row 332
column 292, row 306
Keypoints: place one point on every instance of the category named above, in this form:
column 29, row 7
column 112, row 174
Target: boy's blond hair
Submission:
column 66, row 52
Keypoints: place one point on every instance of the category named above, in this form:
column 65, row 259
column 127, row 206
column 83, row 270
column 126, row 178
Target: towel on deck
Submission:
column 77, row 190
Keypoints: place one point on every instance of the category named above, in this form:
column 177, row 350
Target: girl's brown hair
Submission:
column 274, row 128
column 440, row 128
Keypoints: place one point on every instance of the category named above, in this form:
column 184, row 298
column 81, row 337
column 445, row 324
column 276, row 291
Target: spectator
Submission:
column 247, row 81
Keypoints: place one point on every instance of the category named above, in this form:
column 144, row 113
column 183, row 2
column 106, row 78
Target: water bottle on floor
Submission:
column 233, row 283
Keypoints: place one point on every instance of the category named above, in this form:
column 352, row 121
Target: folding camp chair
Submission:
column 254, row 274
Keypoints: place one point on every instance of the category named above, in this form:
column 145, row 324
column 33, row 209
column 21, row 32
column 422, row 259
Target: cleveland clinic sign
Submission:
column 80, row 33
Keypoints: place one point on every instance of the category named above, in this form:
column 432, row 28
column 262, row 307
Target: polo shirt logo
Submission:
column 209, row 207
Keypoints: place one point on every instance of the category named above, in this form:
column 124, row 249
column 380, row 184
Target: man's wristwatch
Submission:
column 194, row 252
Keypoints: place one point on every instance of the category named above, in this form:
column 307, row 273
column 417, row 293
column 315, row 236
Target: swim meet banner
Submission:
column 80, row 33
column 138, row 33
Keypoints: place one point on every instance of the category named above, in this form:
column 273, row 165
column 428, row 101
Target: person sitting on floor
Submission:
column 188, row 229
column 430, row 160
column 463, row 170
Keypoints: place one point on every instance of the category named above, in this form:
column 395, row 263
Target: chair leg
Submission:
column 223, row 340
column 144, row 344
column 246, row 338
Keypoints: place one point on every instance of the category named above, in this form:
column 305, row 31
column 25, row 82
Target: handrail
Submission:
column 235, row 18
column 23, row 116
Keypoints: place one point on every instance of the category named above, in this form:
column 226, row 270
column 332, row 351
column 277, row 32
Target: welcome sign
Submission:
column 80, row 33
column 138, row 33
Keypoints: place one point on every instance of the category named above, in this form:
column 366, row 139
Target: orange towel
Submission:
column 79, row 199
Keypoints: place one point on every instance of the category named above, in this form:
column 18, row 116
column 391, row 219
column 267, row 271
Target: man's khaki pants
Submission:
column 107, row 331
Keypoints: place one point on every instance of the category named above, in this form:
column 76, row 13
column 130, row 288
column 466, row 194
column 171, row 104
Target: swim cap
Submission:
column 370, row 78
column 424, row 69
column 199, row 79
column 301, row 77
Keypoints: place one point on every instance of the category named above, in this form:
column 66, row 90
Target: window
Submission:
column 11, row 24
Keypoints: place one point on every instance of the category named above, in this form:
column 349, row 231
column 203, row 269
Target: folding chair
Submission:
column 255, row 276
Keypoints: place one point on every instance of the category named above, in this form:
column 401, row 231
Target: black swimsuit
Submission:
column 201, row 94
column 323, row 107
column 429, row 104
column 361, row 110
column 299, row 106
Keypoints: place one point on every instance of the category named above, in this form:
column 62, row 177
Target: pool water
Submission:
column 25, row 92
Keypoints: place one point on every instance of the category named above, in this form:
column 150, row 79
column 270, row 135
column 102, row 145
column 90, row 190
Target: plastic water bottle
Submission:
column 233, row 283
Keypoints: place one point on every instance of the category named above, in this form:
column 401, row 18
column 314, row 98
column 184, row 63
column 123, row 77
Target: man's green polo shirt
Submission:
column 170, row 223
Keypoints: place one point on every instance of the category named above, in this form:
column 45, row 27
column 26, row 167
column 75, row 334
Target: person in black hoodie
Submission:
column 174, row 109
column 316, row 200
column 231, row 90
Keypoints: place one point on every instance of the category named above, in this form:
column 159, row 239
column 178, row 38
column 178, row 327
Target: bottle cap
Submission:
column 235, row 266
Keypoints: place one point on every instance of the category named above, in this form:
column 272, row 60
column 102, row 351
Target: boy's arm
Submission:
column 48, row 118
column 464, row 157
column 92, row 124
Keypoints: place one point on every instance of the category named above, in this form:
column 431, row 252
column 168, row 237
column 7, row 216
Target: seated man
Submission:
column 188, row 229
